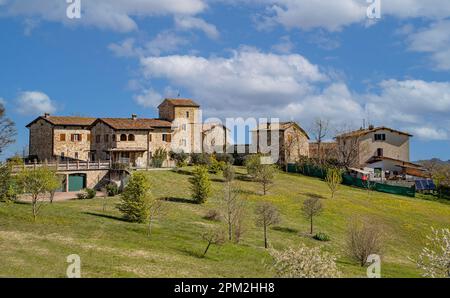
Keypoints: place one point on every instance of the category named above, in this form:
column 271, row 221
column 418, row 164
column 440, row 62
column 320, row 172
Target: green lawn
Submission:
column 110, row 247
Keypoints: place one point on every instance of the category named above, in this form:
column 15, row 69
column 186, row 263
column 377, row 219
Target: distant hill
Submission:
column 434, row 160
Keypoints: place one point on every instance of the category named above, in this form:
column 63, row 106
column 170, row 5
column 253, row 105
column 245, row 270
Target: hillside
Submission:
column 110, row 247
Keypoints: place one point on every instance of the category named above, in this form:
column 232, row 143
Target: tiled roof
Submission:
column 400, row 163
column 132, row 124
column 181, row 102
column 362, row 132
column 66, row 120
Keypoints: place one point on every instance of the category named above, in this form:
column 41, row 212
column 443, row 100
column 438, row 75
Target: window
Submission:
column 131, row 138
column 106, row 138
column 380, row 137
column 63, row 156
column 62, row 137
column 187, row 114
column 123, row 138
column 76, row 137
column 167, row 138
column 380, row 152
column 97, row 138
column 114, row 137
column 76, row 155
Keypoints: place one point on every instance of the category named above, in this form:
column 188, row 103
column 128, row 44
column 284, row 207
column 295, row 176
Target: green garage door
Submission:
column 77, row 182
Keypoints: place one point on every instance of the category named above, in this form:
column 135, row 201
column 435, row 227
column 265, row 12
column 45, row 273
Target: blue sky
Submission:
column 292, row 59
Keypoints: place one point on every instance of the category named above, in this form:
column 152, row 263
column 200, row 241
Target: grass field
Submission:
column 110, row 247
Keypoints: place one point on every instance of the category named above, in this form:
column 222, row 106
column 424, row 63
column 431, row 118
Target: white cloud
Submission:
column 434, row 40
column 189, row 23
column 430, row 133
column 115, row 15
column 34, row 103
column 285, row 46
column 149, row 98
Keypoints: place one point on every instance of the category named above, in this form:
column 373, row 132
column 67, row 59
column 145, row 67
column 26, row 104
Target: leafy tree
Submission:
column 311, row 208
column 229, row 173
column 264, row 175
column 363, row 240
column 434, row 259
column 159, row 157
column 9, row 188
column 135, row 199
column 213, row 237
column 216, row 166
column 200, row 184
column 266, row 216
column 304, row 262
column 7, row 130
column 38, row 183
column 333, row 180
column 252, row 163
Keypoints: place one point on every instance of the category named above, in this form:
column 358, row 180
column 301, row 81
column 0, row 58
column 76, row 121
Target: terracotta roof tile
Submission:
column 66, row 120
column 140, row 124
column 362, row 132
column 182, row 102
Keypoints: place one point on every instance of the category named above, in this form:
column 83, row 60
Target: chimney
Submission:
column 371, row 127
column 46, row 115
column 134, row 116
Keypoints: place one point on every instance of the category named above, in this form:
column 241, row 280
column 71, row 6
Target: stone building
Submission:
column 293, row 141
column 126, row 140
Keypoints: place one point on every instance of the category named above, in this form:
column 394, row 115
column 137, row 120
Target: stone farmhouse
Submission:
column 123, row 140
column 293, row 141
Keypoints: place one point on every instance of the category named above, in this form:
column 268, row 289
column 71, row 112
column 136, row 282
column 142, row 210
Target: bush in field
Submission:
column 180, row 158
column 87, row 194
column 135, row 199
column 321, row 237
column 434, row 260
column 229, row 173
column 304, row 262
column 200, row 159
column 9, row 188
column 112, row 189
column 159, row 157
column 226, row 158
column 363, row 240
column 216, row 166
column 252, row 163
column 213, row 215
column 200, row 185
column 38, row 183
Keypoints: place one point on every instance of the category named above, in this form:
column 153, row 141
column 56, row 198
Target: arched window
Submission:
column 123, row 138
column 131, row 138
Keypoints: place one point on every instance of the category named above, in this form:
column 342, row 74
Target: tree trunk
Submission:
column 311, row 230
column 230, row 229
column 149, row 228
column 265, row 237
column 34, row 209
column 206, row 250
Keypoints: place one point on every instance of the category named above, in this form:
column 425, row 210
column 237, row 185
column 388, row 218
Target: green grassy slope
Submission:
column 110, row 247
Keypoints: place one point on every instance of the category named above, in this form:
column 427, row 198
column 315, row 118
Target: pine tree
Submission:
column 200, row 185
column 135, row 199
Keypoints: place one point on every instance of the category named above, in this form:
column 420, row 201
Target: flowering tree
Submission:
column 304, row 262
column 434, row 259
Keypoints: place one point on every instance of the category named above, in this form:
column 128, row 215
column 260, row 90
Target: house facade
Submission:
column 126, row 140
column 293, row 141
column 383, row 150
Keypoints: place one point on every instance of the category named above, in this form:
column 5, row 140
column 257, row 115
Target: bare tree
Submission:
column 232, row 207
column 320, row 131
column 156, row 209
column 213, row 237
column 363, row 239
column 312, row 207
column 290, row 141
column 7, row 130
column 266, row 216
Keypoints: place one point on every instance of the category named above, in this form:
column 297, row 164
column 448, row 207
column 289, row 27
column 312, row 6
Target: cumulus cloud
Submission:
column 115, row 15
column 189, row 23
column 149, row 98
column 34, row 103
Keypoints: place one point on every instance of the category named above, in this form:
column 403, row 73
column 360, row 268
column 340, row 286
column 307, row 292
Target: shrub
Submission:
column 304, row 262
column 200, row 159
column 159, row 157
column 200, row 184
column 134, row 203
column 226, row 158
column 321, row 237
column 87, row 194
column 112, row 189
column 216, row 166
column 363, row 240
column 180, row 158
column 252, row 163
column 333, row 180
column 229, row 173
column 213, row 215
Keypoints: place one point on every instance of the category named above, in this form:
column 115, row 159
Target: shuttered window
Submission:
column 62, row 137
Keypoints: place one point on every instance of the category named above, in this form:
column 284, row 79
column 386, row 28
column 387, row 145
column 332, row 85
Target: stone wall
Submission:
column 71, row 148
column 41, row 145
column 396, row 146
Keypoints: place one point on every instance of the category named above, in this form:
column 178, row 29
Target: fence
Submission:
column 318, row 172
column 67, row 166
